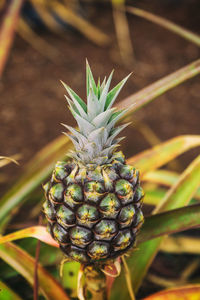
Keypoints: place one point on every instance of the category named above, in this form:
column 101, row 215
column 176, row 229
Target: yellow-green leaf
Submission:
column 153, row 195
column 7, row 294
column 181, row 244
column 161, row 154
column 149, row 93
column 36, row 171
column 24, row 264
column 170, row 222
column 190, row 292
column 183, row 190
column 164, row 177
column 38, row 232
column 183, row 32
column 8, row 26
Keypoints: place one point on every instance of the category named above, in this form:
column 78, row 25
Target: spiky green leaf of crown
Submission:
column 95, row 140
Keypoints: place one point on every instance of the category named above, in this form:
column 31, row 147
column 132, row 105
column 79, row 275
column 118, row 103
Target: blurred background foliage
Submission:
column 42, row 41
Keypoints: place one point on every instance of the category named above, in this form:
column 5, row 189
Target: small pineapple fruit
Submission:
column 93, row 201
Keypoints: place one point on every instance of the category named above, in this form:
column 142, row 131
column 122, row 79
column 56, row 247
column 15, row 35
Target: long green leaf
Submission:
column 8, row 27
column 159, row 155
column 179, row 195
column 7, row 294
column 164, row 177
column 38, row 232
column 187, row 292
column 170, row 222
column 39, row 168
column 149, row 93
column 183, row 32
column 154, row 195
column 181, row 244
column 183, row 190
column 24, row 264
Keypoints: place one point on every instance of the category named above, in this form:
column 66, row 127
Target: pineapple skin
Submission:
column 94, row 211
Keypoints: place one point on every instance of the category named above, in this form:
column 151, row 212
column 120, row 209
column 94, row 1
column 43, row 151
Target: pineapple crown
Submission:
column 95, row 140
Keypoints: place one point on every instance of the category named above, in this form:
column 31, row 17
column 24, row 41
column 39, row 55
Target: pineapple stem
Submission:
column 95, row 283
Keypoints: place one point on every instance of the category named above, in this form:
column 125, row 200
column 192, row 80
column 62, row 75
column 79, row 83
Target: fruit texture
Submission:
column 93, row 200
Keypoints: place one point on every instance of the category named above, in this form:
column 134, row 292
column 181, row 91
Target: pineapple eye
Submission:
column 46, row 187
column 56, row 192
column 95, row 175
column 139, row 219
column 94, row 186
column 119, row 156
column 122, row 240
column 124, row 190
column 65, row 216
column 49, row 210
column 138, row 194
column 60, row 171
column 110, row 205
column 123, row 187
column 80, row 236
column 77, row 254
column 98, row 250
column 60, row 233
column 73, row 194
column 93, row 191
column 127, row 215
column 127, row 172
column 105, row 229
column 87, row 214
column 135, row 179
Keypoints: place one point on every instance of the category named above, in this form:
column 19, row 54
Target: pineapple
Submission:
column 93, row 200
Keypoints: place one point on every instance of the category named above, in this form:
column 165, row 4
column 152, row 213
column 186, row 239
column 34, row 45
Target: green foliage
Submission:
column 7, row 293
column 24, row 264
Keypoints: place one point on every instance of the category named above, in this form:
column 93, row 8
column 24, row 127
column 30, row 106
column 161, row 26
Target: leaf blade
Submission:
column 7, row 293
column 161, row 154
column 36, row 171
column 24, row 264
column 185, row 292
column 158, row 88
column 38, row 232
column 167, row 24
column 170, row 222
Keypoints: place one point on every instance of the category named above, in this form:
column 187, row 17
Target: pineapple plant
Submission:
column 93, row 200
